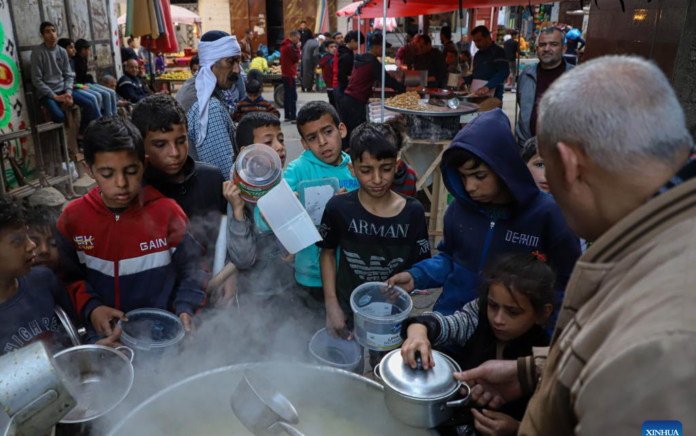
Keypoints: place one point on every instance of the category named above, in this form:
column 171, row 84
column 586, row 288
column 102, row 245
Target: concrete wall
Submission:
column 215, row 15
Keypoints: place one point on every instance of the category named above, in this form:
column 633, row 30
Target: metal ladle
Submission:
column 261, row 409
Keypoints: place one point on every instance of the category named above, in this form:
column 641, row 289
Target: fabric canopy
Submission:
column 179, row 15
column 412, row 8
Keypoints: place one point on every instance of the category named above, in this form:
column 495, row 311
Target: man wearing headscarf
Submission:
column 210, row 127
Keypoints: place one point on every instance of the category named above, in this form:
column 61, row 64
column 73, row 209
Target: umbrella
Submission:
column 179, row 15
column 323, row 24
column 391, row 24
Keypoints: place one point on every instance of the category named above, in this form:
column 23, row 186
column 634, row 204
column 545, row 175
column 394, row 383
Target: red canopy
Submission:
column 412, row 8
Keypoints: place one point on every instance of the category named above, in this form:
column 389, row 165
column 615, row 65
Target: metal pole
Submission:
column 359, row 32
column 384, row 54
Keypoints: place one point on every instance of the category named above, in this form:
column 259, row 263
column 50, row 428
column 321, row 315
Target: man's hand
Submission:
column 112, row 339
column 493, row 384
column 233, row 195
column 102, row 316
column 404, row 280
column 417, row 341
column 491, row 423
column 336, row 322
column 482, row 91
column 187, row 320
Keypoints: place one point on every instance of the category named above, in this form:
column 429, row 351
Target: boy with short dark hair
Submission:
column 327, row 69
column 497, row 209
column 28, row 295
column 82, row 76
column 53, row 79
column 124, row 246
column 195, row 186
column 377, row 232
column 254, row 102
column 42, row 221
column 264, row 273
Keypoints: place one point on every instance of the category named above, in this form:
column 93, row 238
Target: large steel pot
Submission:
column 329, row 401
column 417, row 397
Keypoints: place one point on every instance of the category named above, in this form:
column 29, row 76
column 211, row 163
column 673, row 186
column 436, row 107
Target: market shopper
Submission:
column 625, row 341
column 327, row 69
column 289, row 58
column 432, row 60
column 406, row 55
column 512, row 52
column 309, row 63
column 449, row 48
column 367, row 71
column 343, row 66
column 536, row 79
column 247, row 49
column 491, row 68
column 210, row 127
column 305, row 33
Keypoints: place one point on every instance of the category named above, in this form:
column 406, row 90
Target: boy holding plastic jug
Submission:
column 124, row 246
column 195, row 186
column 377, row 232
column 322, row 132
column 265, row 270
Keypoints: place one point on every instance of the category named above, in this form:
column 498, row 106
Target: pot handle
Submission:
column 130, row 354
column 292, row 431
column 463, row 401
column 376, row 372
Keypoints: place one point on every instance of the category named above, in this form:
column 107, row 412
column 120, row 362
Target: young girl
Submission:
column 516, row 299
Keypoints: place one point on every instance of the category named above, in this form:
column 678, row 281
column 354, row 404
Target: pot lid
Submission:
column 435, row 383
column 152, row 328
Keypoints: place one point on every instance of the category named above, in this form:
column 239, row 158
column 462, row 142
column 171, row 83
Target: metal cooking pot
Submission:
column 99, row 377
column 329, row 400
column 33, row 397
column 417, row 397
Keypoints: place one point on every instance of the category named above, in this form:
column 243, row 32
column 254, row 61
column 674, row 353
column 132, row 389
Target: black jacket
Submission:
column 199, row 195
column 131, row 88
column 81, row 71
column 346, row 59
column 305, row 35
column 367, row 71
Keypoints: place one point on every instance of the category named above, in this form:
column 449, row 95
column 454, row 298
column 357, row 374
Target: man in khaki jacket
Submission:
column 618, row 161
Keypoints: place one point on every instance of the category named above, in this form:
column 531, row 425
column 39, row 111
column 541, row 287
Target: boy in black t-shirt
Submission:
column 377, row 231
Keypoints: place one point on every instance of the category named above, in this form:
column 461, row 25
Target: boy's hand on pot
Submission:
column 102, row 316
column 404, row 280
column 493, row 383
column 112, row 339
column 417, row 342
column 490, row 423
column 336, row 322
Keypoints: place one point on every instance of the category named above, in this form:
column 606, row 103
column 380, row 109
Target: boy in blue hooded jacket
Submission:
column 497, row 209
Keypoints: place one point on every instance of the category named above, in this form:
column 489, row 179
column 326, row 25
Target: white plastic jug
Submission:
column 287, row 218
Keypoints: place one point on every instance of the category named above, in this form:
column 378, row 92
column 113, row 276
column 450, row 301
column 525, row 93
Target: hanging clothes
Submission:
column 166, row 42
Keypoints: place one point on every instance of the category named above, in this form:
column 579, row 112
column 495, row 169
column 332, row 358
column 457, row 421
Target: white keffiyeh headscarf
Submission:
column 210, row 52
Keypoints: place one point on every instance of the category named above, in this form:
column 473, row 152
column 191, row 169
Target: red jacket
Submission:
column 142, row 257
column 289, row 57
column 327, row 69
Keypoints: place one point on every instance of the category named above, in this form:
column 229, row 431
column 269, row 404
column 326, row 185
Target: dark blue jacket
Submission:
column 473, row 239
column 491, row 64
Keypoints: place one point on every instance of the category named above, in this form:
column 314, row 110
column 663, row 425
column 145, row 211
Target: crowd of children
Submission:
column 145, row 236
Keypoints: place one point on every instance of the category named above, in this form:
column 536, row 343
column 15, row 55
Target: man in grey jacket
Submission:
column 52, row 77
column 536, row 79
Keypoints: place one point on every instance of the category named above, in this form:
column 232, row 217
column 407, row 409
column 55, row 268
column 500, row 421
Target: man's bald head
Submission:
column 132, row 67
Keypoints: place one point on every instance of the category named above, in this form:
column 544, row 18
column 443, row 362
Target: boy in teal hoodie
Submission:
column 322, row 133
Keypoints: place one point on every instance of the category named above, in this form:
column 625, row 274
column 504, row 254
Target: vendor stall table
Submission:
column 431, row 132
column 172, row 85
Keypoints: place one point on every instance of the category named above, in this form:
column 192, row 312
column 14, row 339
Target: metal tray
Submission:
column 435, row 111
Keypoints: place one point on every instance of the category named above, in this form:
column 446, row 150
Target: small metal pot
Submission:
column 99, row 377
column 420, row 398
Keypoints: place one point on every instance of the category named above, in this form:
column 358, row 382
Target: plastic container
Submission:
column 379, row 312
column 256, row 171
column 314, row 194
column 152, row 331
column 338, row 353
column 287, row 218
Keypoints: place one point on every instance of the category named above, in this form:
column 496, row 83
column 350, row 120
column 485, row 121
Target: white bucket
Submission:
column 379, row 313
column 287, row 218
column 338, row 353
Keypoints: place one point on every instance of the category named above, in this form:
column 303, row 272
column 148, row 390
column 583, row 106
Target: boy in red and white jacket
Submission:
column 124, row 246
